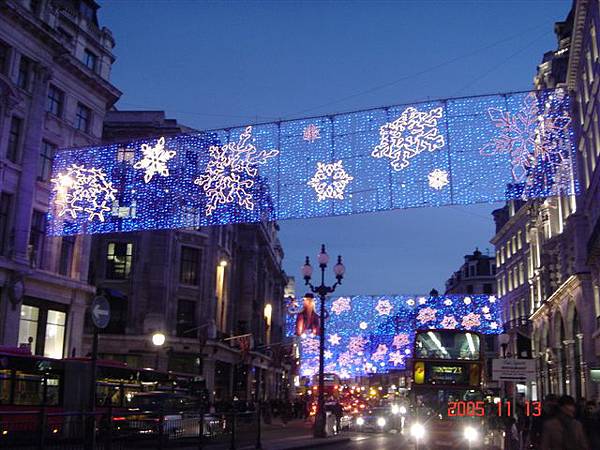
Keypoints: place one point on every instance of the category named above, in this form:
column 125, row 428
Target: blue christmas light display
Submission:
column 374, row 334
column 458, row 151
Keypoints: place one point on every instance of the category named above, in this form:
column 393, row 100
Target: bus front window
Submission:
column 447, row 345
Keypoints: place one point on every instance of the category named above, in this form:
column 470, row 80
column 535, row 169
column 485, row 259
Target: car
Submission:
column 180, row 415
column 377, row 419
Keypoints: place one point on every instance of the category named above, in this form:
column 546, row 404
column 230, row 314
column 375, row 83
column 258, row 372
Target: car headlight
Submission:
column 381, row 422
column 417, row 431
column 402, row 409
column 471, row 434
column 360, row 421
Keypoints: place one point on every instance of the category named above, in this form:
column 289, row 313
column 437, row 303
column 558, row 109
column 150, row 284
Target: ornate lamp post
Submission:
column 322, row 291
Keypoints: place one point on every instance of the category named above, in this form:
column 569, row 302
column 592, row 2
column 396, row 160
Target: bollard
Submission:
column 109, row 431
column 201, row 431
column 232, row 445
column 161, row 428
column 43, row 423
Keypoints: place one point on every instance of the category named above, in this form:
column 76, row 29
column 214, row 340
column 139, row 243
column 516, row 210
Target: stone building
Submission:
column 55, row 62
column 198, row 286
column 562, row 292
column 475, row 276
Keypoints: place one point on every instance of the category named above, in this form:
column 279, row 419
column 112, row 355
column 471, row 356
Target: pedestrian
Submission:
column 563, row 431
column 284, row 412
column 549, row 410
column 591, row 424
column 339, row 412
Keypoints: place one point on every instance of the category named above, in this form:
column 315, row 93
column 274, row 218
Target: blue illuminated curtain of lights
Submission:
column 483, row 147
column 377, row 339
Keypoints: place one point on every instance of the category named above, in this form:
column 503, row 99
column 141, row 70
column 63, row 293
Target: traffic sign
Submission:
column 513, row 369
column 100, row 312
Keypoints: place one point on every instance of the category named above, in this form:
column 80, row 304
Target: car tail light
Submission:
column 118, row 419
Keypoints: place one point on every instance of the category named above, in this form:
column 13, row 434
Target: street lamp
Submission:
column 322, row 291
column 158, row 340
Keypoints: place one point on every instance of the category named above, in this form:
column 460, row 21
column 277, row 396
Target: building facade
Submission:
column 475, row 276
column 199, row 286
column 562, row 291
column 55, row 63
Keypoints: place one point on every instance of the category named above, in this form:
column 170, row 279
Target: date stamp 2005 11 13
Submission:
column 479, row 409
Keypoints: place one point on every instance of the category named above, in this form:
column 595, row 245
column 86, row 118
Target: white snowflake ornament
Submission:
column 330, row 181
column 155, row 160
column 231, row 172
column 438, row 179
column 408, row 136
column 83, row 190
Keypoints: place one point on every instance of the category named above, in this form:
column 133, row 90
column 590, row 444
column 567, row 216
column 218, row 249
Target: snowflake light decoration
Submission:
column 83, row 190
column 334, row 339
column 384, row 307
column 396, row 358
column 344, row 359
column 327, row 354
column 330, row 180
column 311, row 133
column 449, row 322
column 426, row 315
column 528, row 136
column 155, row 160
column 471, row 320
column 340, row 305
column 400, row 340
column 380, row 353
column 438, row 179
column 231, row 172
column 409, row 135
column 357, row 344
column 493, row 325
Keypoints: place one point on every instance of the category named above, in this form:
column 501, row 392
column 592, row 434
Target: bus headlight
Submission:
column 360, row 421
column 402, row 410
column 417, row 431
column 381, row 422
column 395, row 409
column 471, row 434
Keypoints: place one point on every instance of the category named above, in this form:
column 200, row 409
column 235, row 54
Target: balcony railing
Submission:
column 520, row 322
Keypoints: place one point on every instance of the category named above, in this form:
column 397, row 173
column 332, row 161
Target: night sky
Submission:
column 218, row 64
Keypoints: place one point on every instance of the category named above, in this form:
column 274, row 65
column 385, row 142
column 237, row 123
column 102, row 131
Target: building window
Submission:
column 190, row 262
column 118, row 260
column 36, row 238
column 125, row 154
column 55, row 334
column 469, row 288
column 488, row 288
column 90, row 60
column 4, row 58
column 186, row 318
column 45, row 161
column 43, row 328
column 14, row 139
column 66, row 255
column 5, row 207
column 25, row 71
column 28, row 325
column 56, row 99
column 82, row 118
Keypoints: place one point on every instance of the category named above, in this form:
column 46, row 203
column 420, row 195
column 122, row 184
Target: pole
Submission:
column 258, row 395
column 92, row 393
column 321, row 416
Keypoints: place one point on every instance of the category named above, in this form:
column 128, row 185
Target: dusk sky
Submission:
column 217, row 64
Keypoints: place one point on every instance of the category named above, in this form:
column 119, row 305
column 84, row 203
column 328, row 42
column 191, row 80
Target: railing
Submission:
column 114, row 430
column 516, row 323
